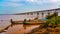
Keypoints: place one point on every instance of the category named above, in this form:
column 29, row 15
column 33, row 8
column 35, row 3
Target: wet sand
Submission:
column 20, row 29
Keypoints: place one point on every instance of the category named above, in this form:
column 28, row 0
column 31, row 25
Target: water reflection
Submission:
column 17, row 28
column 20, row 29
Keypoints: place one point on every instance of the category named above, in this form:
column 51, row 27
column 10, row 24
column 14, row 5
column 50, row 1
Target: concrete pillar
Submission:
column 42, row 14
column 56, row 12
column 28, row 15
column 31, row 15
column 37, row 15
column 48, row 13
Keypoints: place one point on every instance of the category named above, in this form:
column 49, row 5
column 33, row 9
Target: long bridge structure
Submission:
column 40, row 14
column 30, row 15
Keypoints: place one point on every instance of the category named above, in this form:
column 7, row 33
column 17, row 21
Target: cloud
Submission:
column 33, row 1
column 14, row 0
column 54, row 0
column 11, row 4
column 14, row 4
column 48, row 3
column 43, row 1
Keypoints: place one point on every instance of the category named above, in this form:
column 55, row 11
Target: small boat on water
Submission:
column 29, row 22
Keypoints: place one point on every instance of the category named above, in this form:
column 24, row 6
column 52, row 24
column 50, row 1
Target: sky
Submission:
column 21, row 6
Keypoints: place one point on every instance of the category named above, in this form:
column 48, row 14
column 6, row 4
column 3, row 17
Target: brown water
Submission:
column 20, row 29
column 16, row 29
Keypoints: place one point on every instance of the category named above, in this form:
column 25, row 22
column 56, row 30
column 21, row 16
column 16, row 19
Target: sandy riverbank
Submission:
column 19, row 29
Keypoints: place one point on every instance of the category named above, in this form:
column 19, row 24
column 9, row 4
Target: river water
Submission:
column 16, row 29
column 19, row 29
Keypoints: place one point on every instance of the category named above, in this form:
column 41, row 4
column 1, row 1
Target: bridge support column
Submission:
column 42, row 14
column 37, row 15
column 56, row 13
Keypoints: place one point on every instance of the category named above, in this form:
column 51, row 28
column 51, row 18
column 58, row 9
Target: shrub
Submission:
column 53, row 20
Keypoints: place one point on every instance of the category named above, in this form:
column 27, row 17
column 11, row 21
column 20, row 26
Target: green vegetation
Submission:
column 51, row 16
column 52, row 20
column 51, row 26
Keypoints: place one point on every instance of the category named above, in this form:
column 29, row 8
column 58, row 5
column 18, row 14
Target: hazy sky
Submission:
column 20, row 6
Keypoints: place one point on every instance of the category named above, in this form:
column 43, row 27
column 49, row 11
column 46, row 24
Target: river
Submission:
column 16, row 29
